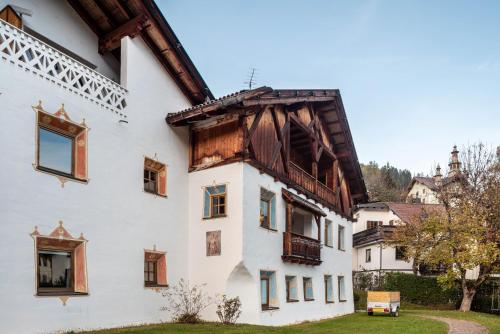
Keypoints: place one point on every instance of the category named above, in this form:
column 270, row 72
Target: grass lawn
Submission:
column 490, row 321
column 359, row 323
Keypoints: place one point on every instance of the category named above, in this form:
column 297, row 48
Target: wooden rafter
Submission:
column 131, row 28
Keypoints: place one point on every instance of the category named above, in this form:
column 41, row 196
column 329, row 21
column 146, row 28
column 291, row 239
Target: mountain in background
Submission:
column 386, row 183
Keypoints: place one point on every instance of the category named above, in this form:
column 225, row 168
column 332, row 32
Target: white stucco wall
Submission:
column 426, row 195
column 112, row 211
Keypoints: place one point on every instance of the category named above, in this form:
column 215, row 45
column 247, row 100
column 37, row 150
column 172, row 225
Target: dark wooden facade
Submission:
column 299, row 137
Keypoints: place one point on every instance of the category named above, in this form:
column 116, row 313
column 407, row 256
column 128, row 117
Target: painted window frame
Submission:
column 159, row 169
column 211, row 197
column 159, row 258
column 52, row 170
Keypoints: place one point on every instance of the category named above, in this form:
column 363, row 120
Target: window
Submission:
column 308, row 288
column 150, row 178
column 267, row 209
column 155, row 268
column 291, row 289
column 400, row 253
column 61, row 145
column 155, row 177
column 391, row 222
column 54, row 270
column 268, row 295
column 215, row 202
column 372, row 224
column 60, row 263
column 342, row 296
column 328, row 233
column 341, row 237
column 328, row 289
column 368, row 255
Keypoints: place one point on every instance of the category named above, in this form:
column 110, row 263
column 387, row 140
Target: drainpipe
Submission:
column 380, row 268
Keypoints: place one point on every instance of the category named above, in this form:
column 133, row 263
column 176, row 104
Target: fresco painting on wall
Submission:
column 213, row 243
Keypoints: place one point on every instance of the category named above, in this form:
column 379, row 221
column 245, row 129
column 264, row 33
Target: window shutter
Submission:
column 162, row 182
column 81, row 155
column 206, row 205
column 161, row 270
column 273, row 213
column 80, row 269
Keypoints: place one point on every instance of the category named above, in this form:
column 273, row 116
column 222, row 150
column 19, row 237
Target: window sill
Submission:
column 292, row 301
column 153, row 193
column 215, row 217
column 342, row 250
column 270, row 308
column 59, row 174
column 329, row 246
column 309, row 300
column 156, row 286
column 343, row 301
column 268, row 228
column 61, row 294
column 329, row 302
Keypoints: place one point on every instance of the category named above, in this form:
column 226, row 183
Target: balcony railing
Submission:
column 379, row 233
column 310, row 184
column 301, row 249
column 32, row 55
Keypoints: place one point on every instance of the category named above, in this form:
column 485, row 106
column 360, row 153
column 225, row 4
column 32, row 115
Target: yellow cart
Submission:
column 384, row 302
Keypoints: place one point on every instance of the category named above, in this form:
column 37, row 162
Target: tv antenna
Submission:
column 251, row 78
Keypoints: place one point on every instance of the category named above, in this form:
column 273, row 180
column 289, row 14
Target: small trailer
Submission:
column 385, row 302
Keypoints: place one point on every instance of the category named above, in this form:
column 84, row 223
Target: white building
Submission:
column 423, row 189
column 104, row 204
column 375, row 223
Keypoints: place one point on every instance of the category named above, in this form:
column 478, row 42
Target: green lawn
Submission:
column 359, row 323
column 490, row 321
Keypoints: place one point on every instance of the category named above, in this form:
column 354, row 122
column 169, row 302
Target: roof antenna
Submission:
column 251, row 78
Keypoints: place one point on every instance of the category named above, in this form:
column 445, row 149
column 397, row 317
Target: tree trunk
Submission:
column 467, row 299
column 414, row 267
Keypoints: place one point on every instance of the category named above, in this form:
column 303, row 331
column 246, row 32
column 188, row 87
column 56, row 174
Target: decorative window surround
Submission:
column 61, row 240
column 155, row 171
column 32, row 55
column 60, row 123
column 160, row 260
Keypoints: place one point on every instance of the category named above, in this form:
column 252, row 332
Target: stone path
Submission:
column 456, row 326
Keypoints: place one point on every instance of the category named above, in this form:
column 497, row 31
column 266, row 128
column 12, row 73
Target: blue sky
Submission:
column 416, row 77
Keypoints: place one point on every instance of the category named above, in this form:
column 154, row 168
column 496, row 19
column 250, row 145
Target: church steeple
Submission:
column 454, row 163
column 438, row 178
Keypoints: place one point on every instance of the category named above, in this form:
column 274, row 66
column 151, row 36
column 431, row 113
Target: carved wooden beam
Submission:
column 131, row 28
column 248, row 145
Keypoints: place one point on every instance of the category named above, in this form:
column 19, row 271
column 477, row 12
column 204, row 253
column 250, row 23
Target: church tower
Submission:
column 454, row 164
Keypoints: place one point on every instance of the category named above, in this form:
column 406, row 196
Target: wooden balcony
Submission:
column 301, row 249
column 310, row 184
column 372, row 235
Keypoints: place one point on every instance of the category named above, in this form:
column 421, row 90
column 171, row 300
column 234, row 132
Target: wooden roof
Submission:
column 327, row 102
column 112, row 20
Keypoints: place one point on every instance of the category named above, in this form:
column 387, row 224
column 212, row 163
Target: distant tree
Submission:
column 466, row 234
column 386, row 183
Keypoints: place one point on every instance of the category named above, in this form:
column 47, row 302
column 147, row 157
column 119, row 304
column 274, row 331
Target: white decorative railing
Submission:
column 35, row 56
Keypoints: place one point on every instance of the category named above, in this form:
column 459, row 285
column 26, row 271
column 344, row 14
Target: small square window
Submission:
column 55, row 271
column 61, row 145
column 400, row 253
column 268, row 295
column 155, row 177
column 215, row 202
column 155, row 269
column 150, row 273
column 368, row 255
column 308, row 289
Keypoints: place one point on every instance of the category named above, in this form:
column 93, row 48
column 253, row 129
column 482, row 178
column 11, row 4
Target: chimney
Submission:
column 454, row 164
column 438, row 178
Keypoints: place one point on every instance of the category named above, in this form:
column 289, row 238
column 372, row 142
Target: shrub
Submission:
column 229, row 310
column 421, row 290
column 186, row 302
